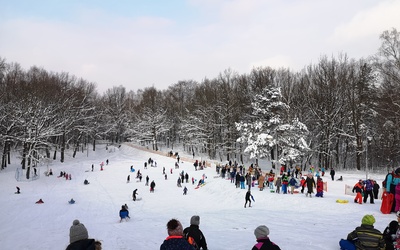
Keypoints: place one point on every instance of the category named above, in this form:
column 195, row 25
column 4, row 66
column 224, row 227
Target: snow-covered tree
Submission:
column 270, row 131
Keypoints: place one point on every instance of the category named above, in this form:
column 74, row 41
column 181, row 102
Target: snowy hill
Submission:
column 295, row 221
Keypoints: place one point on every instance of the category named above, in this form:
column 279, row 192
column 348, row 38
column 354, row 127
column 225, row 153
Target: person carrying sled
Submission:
column 194, row 235
column 358, row 187
column 391, row 180
column 263, row 241
column 364, row 236
column 124, row 213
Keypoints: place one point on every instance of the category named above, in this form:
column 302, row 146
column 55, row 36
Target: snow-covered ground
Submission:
column 295, row 221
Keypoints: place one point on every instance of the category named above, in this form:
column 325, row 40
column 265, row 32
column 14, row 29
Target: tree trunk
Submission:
column 62, row 147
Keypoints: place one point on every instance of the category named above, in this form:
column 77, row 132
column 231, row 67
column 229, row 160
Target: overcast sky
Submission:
column 139, row 44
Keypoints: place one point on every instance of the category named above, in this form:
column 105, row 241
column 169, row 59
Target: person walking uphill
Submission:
column 175, row 239
column 263, row 241
column 194, row 235
column 364, row 236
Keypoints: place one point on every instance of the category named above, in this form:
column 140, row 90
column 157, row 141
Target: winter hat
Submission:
column 195, row 220
column 174, row 227
column 261, row 232
column 397, row 171
column 368, row 220
column 77, row 232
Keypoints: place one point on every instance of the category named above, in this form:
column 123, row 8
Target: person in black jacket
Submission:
column 79, row 238
column 263, row 241
column 389, row 234
column 194, row 232
column 247, row 198
column 332, row 174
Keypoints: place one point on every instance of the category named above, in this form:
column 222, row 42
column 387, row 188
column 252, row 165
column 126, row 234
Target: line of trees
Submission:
column 339, row 112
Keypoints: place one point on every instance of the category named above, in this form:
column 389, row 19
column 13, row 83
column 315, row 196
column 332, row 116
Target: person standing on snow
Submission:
column 195, row 233
column 332, row 174
column 247, row 198
column 152, row 186
column 310, row 182
column 369, row 186
column 134, row 194
column 358, row 187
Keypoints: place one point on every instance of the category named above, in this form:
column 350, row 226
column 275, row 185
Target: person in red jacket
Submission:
column 358, row 187
column 320, row 188
column 302, row 184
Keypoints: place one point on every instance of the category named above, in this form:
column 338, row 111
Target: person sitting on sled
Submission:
column 124, row 213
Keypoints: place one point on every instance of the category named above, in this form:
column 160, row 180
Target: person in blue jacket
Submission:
column 391, row 181
column 292, row 184
column 124, row 213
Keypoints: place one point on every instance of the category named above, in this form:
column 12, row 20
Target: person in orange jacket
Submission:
column 358, row 187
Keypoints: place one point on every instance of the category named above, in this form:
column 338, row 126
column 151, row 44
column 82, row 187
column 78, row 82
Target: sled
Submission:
column 252, row 197
column 272, row 191
column 342, row 201
column 387, row 203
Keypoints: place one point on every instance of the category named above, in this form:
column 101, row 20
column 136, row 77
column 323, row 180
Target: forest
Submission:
column 339, row 112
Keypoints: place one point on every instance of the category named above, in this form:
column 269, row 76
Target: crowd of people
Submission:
column 286, row 181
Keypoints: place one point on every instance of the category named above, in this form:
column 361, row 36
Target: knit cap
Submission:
column 368, row 220
column 174, row 227
column 261, row 232
column 195, row 220
column 77, row 232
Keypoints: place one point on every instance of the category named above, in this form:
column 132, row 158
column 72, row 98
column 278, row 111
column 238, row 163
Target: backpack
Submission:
column 191, row 240
column 385, row 181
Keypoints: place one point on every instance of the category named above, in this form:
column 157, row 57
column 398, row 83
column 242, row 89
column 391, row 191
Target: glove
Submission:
column 393, row 236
